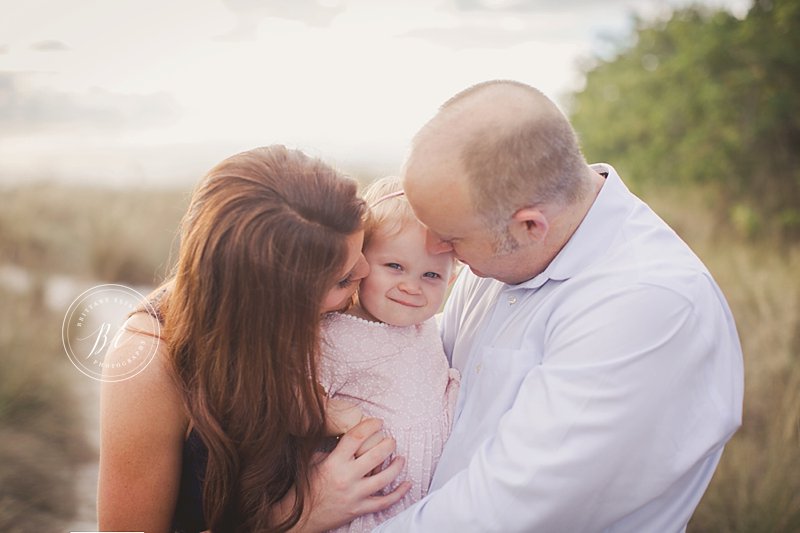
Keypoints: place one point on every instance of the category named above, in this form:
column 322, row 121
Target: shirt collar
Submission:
column 594, row 234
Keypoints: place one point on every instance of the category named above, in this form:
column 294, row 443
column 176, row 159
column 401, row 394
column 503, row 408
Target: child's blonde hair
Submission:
column 389, row 211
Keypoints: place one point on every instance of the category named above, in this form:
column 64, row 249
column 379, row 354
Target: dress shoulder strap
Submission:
column 154, row 304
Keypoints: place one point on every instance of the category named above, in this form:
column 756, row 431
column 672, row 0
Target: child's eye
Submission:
column 394, row 266
column 346, row 282
column 432, row 275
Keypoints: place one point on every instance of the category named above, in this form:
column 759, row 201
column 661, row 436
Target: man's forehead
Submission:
column 435, row 189
column 429, row 169
column 446, row 218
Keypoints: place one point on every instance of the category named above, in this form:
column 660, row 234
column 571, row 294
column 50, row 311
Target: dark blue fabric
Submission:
column 189, row 508
column 188, row 517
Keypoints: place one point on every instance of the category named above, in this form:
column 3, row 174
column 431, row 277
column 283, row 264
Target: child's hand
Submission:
column 341, row 416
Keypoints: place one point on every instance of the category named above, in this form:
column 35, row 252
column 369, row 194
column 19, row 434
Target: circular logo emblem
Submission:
column 94, row 327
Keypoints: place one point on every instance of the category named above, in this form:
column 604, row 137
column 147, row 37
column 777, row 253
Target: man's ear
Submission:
column 531, row 221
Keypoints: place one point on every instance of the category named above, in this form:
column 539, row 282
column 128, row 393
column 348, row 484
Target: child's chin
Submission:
column 401, row 321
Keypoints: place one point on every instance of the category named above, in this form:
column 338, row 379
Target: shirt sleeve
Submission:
column 623, row 405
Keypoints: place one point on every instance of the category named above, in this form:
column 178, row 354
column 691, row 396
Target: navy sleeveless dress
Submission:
column 189, row 508
column 188, row 517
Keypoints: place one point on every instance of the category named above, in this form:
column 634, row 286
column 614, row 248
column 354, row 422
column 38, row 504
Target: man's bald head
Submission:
column 514, row 146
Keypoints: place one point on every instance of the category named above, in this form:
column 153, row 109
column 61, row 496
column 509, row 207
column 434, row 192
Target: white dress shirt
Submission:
column 596, row 396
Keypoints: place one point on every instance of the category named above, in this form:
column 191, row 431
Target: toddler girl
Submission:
column 384, row 354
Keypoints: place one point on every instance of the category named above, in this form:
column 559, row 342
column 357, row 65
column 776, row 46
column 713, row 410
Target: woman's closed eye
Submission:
column 346, row 282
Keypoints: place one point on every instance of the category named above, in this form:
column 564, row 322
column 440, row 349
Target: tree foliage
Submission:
column 705, row 98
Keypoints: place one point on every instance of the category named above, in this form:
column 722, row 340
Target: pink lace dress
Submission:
column 398, row 374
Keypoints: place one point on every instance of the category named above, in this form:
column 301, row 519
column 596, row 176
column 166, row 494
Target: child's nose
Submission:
column 409, row 287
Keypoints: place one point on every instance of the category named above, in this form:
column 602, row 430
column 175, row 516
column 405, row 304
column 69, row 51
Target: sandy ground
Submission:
column 58, row 293
column 88, row 393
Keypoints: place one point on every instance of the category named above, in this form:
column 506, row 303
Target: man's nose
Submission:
column 435, row 245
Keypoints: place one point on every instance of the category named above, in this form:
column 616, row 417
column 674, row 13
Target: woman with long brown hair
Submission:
column 221, row 430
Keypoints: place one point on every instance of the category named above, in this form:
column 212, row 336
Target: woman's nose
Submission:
column 362, row 269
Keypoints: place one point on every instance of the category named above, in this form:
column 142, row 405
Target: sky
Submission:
column 154, row 92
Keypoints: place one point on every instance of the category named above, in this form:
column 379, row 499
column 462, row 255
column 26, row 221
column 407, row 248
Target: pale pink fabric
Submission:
column 398, row 374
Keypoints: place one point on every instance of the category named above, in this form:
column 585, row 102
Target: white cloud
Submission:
column 50, row 45
column 250, row 14
column 28, row 107
column 576, row 6
column 347, row 80
column 473, row 36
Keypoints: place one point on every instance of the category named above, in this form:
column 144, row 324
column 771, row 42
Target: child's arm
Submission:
column 340, row 415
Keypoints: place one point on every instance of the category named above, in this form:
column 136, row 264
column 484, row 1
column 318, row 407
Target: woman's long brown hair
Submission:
column 263, row 241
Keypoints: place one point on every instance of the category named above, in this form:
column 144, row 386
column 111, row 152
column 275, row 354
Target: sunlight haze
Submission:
column 153, row 93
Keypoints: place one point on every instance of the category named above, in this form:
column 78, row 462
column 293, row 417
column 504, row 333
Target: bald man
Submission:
column 602, row 371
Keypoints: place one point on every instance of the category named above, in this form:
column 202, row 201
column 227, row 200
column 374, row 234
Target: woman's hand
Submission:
column 342, row 487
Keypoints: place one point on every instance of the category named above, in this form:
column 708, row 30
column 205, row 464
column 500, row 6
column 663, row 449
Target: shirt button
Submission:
column 512, row 300
column 478, row 368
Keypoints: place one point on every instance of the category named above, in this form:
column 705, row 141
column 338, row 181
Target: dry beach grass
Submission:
column 126, row 236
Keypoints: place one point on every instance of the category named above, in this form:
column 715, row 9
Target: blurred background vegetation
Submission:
column 699, row 113
column 707, row 102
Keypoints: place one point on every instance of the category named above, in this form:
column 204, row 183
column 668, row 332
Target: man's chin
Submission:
column 478, row 272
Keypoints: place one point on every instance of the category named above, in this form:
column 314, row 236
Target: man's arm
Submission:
column 631, row 400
